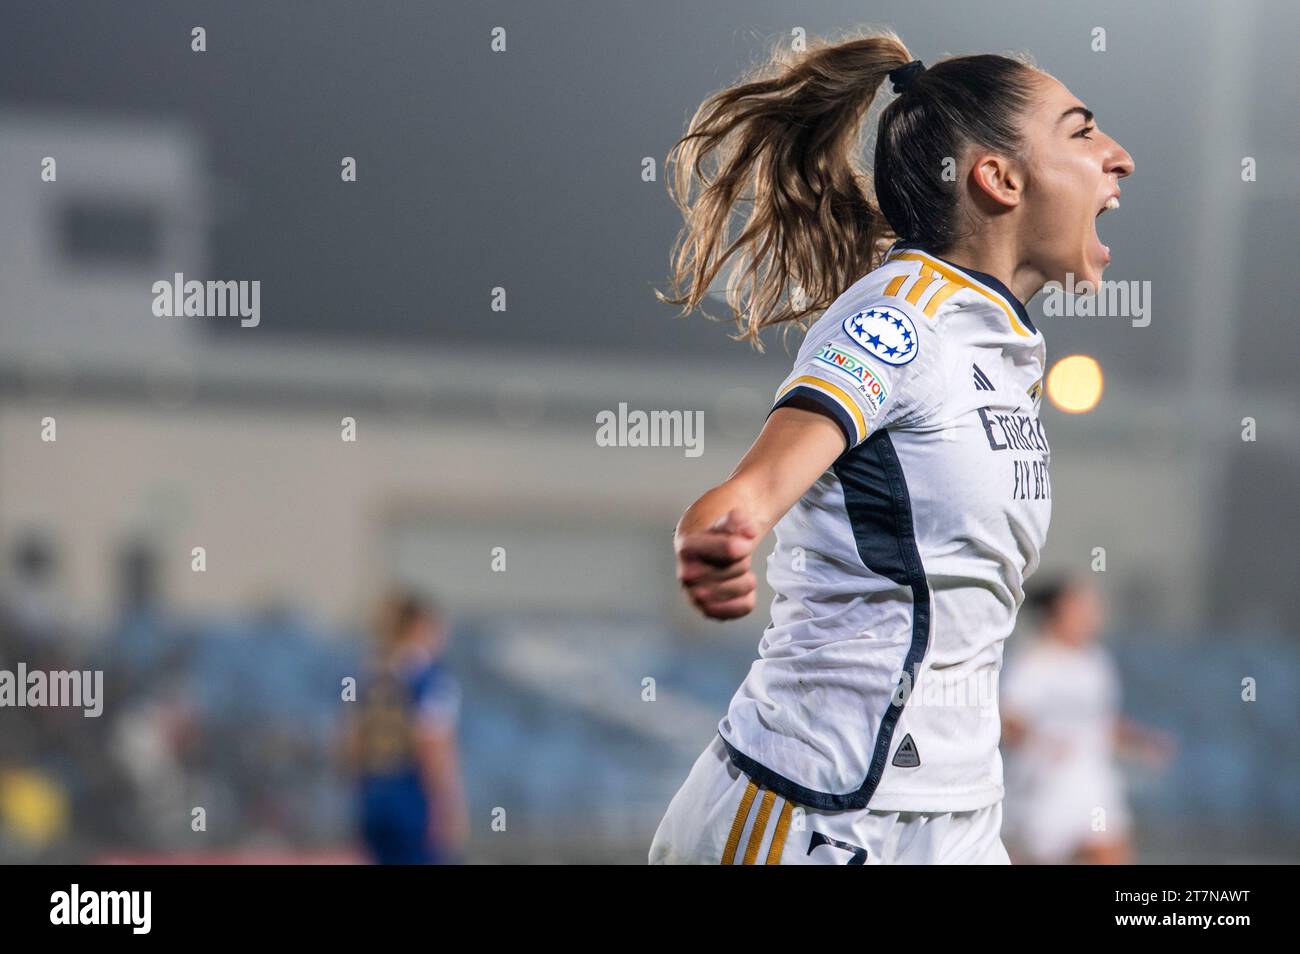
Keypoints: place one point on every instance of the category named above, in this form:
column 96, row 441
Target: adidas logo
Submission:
column 982, row 382
column 907, row 756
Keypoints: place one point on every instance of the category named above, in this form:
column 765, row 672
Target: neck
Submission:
column 1000, row 260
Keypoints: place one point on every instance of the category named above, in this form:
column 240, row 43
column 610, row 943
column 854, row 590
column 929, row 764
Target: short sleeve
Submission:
column 876, row 367
column 437, row 701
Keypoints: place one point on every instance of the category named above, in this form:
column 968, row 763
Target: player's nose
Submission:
column 1118, row 162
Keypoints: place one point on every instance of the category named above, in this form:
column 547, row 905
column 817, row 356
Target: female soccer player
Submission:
column 903, row 467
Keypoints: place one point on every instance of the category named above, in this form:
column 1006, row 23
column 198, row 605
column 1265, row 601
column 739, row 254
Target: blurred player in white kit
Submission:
column 1062, row 731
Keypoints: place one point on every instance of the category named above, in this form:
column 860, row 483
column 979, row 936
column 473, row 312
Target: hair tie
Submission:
column 904, row 77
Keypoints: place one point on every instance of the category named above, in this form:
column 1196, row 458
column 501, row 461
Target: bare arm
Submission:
column 717, row 535
column 1014, row 731
column 1150, row 745
column 438, row 758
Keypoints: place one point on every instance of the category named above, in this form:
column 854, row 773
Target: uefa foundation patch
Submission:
column 866, row 380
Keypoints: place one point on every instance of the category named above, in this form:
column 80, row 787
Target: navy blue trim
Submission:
column 982, row 278
column 826, row 403
column 880, row 512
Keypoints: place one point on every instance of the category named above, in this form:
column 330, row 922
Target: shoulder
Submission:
column 437, row 695
column 890, row 332
column 872, row 360
column 940, row 289
column 874, row 317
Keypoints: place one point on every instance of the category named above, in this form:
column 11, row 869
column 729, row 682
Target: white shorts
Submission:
column 720, row 817
column 1066, row 811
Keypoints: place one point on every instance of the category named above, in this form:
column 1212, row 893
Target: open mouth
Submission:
column 1111, row 203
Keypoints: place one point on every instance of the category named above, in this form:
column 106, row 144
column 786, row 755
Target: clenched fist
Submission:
column 713, row 566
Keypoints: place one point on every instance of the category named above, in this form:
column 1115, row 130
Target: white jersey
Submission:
column 1068, row 698
column 1062, row 780
column 898, row 574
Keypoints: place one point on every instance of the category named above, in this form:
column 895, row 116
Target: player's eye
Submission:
column 1085, row 132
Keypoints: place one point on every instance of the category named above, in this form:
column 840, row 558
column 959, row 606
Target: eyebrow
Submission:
column 1083, row 111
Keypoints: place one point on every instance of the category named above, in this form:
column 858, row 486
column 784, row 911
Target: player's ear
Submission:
column 996, row 180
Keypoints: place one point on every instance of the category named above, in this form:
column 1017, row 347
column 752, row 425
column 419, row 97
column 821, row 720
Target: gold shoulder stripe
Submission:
column 946, row 291
column 737, row 826
column 959, row 279
column 760, row 826
column 894, row 285
column 922, row 282
column 778, row 836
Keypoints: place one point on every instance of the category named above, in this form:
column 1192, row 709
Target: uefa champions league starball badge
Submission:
column 886, row 333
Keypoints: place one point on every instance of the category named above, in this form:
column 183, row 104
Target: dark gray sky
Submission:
column 522, row 169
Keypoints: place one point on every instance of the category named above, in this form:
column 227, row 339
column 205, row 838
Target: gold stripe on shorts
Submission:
column 778, row 836
column 737, row 826
column 760, row 826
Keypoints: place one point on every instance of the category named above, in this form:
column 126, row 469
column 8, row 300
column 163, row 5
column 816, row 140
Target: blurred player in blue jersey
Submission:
column 403, row 742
